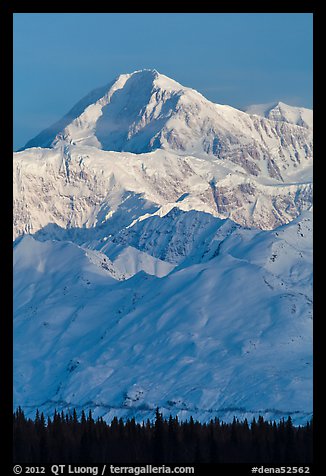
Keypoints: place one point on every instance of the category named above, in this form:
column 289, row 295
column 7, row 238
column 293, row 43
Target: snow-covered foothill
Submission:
column 163, row 257
column 230, row 333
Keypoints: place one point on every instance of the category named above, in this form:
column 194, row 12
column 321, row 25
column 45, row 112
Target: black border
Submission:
column 6, row 331
column 6, row 80
column 317, row 243
column 225, row 6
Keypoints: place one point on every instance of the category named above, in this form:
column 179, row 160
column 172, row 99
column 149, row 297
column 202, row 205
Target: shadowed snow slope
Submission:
column 228, row 334
column 81, row 186
column 145, row 110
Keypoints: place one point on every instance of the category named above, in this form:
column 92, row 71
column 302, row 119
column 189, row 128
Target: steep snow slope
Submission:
column 97, row 193
column 227, row 333
column 145, row 110
column 142, row 283
column 283, row 112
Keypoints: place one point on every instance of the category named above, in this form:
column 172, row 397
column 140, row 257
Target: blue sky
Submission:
column 237, row 59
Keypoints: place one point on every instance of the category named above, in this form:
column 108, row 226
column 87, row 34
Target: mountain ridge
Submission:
column 280, row 111
column 175, row 274
column 145, row 110
column 188, row 317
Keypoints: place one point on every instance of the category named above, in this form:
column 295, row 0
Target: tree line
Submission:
column 65, row 438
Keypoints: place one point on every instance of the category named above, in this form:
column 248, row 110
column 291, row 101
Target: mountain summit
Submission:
column 279, row 111
column 106, row 116
column 162, row 258
column 146, row 134
column 145, row 110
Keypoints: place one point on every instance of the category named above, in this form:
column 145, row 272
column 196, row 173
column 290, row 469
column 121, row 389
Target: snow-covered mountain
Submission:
column 254, row 170
column 300, row 116
column 146, row 110
column 229, row 332
column 162, row 257
column 85, row 187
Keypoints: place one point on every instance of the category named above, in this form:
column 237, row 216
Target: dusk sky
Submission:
column 236, row 59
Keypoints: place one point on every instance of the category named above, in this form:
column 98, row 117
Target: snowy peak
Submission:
column 162, row 278
column 107, row 117
column 145, row 110
column 280, row 111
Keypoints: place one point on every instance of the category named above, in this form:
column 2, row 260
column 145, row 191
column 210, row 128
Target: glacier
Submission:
column 163, row 257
